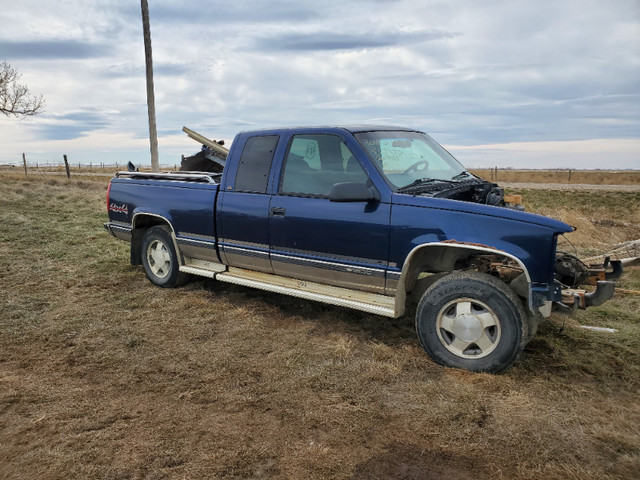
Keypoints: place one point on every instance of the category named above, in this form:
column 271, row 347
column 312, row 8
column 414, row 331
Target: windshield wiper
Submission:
column 423, row 181
column 461, row 175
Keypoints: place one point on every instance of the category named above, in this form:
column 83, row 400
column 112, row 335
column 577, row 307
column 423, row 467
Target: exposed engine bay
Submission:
column 476, row 191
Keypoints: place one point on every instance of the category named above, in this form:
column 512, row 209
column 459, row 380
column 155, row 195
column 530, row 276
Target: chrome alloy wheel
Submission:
column 468, row 328
column 159, row 259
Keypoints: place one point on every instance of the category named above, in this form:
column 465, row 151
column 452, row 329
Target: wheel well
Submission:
column 142, row 223
column 428, row 263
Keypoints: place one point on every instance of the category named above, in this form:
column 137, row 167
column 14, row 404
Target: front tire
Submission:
column 159, row 258
column 472, row 321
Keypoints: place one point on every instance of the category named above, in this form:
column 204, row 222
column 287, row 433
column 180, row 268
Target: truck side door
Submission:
column 243, row 207
column 312, row 238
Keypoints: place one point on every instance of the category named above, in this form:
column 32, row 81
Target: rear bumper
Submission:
column 119, row 230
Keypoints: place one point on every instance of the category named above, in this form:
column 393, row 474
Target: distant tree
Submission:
column 15, row 99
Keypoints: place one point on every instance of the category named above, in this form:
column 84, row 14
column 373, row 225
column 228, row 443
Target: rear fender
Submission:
column 141, row 222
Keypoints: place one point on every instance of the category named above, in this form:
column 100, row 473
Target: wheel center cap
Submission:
column 467, row 328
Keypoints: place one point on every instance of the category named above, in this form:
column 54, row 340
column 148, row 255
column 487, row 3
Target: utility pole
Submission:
column 151, row 99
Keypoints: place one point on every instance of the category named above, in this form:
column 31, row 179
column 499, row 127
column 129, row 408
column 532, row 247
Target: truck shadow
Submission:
column 327, row 318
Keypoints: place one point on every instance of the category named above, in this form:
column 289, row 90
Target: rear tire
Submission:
column 159, row 258
column 472, row 321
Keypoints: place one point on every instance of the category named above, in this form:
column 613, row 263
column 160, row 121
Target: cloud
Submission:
column 129, row 70
column 346, row 41
column 217, row 14
column 589, row 154
column 71, row 125
column 470, row 73
column 51, row 49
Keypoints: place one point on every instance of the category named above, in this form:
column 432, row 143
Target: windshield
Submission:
column 407, row 158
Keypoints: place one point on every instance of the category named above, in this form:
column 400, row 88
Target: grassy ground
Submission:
column 593, row 177
column 103, row 375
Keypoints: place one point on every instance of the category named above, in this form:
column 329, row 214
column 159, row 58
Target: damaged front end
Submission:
column 571, row 274
column 474, row 190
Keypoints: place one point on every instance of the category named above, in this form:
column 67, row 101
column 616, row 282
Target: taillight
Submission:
column 108, row 191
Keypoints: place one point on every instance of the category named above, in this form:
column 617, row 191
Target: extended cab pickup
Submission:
column 366, row 218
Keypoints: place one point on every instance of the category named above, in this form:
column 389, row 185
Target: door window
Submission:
column 315, row 163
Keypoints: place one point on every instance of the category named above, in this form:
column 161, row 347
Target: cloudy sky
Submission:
column 510, row 83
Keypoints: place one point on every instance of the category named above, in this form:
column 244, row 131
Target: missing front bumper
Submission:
column 603, row 277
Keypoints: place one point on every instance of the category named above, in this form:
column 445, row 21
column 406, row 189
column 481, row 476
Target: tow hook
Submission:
column 604, row 291
column 581, row 299
column 616, row 273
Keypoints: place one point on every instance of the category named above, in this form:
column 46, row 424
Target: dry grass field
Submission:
column 591, row 177
column 103, row 375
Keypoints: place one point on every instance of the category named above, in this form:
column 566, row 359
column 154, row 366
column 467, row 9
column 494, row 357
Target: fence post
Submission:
column 24, row 160
column 569, row 176
column 66, row 166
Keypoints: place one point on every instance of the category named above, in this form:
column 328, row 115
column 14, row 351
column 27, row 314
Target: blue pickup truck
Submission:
column 367, row 218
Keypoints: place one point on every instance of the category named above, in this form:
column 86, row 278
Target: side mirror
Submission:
column 353, row 192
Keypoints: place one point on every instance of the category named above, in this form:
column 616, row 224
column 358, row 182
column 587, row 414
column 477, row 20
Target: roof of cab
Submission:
column 329, row 129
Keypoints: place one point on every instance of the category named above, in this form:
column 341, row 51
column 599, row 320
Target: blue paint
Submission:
column 283, row 231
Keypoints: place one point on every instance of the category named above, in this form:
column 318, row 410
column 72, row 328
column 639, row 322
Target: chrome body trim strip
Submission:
column 337, row 258
column 245, row 251
column 196, row 236
column 249, row 245
column 341, row 267
column 196, row 243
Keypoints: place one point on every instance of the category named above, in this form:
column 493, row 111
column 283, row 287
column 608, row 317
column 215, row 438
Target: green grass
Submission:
column 103, row 375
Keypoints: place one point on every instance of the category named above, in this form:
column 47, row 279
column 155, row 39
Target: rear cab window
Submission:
column 255, row 164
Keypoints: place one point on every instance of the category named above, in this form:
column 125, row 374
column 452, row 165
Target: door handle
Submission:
column 278, row 211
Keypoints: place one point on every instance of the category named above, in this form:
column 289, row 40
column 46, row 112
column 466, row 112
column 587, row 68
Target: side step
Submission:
column 203, row 268
column 344, row 297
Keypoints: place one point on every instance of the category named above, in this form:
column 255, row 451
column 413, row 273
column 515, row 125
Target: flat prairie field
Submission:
column 562, row 176
column 103, row 375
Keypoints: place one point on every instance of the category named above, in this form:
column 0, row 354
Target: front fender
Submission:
column 437, row 257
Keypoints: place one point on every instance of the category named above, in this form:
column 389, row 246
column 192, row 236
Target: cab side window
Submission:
column 255, row 164
column 315, row 163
